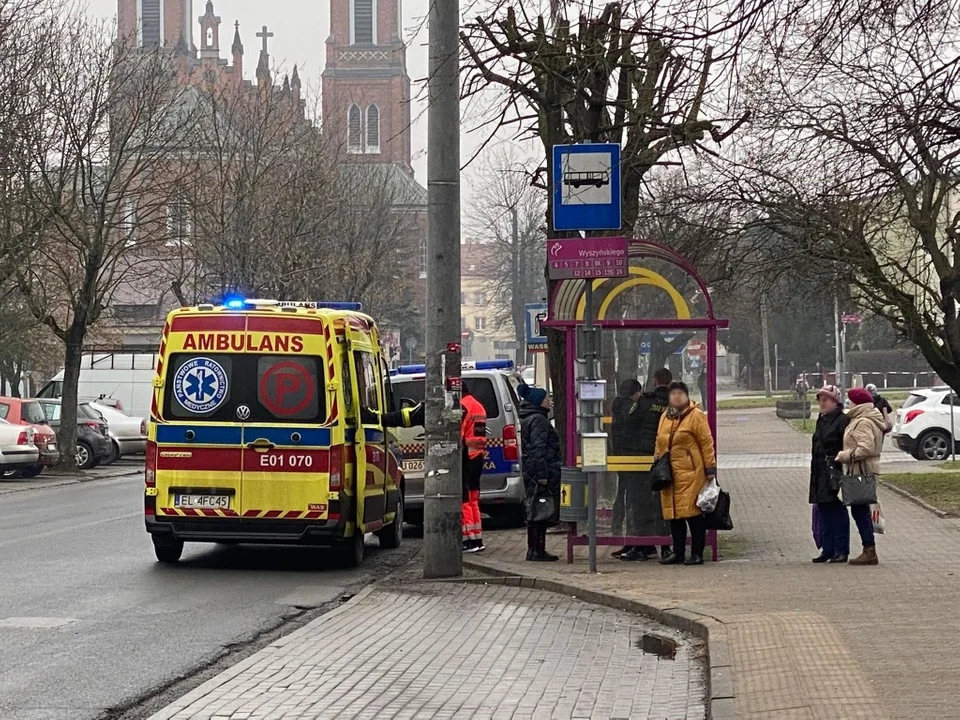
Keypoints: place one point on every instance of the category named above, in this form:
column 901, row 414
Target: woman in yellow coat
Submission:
column 684, row 434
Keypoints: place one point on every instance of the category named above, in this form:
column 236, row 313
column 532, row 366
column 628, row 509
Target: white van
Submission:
column 126, row 378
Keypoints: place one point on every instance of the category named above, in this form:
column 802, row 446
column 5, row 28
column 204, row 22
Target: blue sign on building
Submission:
column 536, row 336
column 586, row 187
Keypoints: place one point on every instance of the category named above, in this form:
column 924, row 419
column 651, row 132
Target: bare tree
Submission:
column 507, row 213
column 92, row 171
column 854, row 167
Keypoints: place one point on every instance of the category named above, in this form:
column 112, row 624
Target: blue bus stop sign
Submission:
column 586, row 187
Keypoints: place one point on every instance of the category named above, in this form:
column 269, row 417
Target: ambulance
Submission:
column 266, row 427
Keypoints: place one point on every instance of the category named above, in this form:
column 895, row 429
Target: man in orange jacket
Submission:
column 473, row 435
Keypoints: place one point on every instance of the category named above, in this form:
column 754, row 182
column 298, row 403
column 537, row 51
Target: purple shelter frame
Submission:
column 640, row 249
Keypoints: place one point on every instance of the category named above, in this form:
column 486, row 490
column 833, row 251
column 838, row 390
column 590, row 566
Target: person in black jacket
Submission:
column 541, row 463
column 824, row 490
column 625, row 423
column 644, row 513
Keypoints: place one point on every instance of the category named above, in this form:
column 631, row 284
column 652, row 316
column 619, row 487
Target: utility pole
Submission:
column 838, row 345
column 517, row 306
column 768, row 386
column 442, row 540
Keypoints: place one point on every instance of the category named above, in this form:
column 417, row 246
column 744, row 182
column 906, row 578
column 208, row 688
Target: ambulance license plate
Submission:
column 413, row 465
column 221, row 502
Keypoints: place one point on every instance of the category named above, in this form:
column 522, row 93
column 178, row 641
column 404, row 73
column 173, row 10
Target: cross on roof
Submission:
column 265, row 35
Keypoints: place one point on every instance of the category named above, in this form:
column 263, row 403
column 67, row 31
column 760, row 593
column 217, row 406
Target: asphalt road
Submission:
column 89, row 622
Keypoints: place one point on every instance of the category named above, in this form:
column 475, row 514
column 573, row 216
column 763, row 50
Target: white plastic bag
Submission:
column 879, row 522
column 707, row 499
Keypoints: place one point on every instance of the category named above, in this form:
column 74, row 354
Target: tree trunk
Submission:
column 73, row 356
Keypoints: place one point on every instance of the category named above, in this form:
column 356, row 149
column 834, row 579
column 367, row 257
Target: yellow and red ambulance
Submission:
column 266, row 428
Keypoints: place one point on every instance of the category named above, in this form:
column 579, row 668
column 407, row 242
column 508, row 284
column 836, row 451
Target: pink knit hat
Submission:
column 860, row 396
column 832, row 392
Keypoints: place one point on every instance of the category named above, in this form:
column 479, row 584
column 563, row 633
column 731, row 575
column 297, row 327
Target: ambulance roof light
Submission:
column 234, row 303
column 411, row 369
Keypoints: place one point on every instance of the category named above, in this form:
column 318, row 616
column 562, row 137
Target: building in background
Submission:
column 485, row 334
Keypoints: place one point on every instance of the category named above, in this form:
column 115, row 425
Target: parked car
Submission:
column 128, row 435
column 17, row 449
column 922, row 427
column 493, row 383
column 18, row 411
column 93, row 442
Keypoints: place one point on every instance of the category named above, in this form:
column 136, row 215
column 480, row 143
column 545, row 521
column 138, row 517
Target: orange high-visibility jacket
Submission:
column 473, row 427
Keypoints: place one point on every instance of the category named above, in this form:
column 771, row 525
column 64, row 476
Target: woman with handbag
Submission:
column 862, row 443
column 541, row 461
column 684, row 437
column 834, row 525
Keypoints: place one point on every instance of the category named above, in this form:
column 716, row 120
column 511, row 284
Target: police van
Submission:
column 493, row 383
column 266, row 428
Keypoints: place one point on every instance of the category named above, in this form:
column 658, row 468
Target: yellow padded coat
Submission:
column 692, row 460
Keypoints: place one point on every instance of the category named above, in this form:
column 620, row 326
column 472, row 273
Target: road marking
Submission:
column 36, row 623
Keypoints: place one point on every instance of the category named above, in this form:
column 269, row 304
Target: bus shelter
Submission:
column 659, row 315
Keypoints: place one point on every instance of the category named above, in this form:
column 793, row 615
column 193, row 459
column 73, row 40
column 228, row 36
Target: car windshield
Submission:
column 481, row 387
column 31, row 412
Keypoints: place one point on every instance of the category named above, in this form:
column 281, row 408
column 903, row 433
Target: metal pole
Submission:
column 838, row 352
column 953, row 441
column 776, row 366
column 442, row 541
column 766, row 346
column 590, row 422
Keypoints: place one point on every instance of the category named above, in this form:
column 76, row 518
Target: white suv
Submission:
column 923, row 423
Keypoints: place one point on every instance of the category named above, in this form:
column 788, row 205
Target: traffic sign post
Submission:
column 536, row 314
column 586, row 196
column 586, row 187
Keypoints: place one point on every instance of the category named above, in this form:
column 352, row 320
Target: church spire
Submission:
column 295, row 79
column 263, row 66
column 237, row 42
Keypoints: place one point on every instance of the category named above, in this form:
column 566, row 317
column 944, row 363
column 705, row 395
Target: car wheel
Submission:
column 392, row 535
column 85, row 457
column 114, row 454
column 32, row 471
column 934, row 445
column 167, row 550
column 348, row 553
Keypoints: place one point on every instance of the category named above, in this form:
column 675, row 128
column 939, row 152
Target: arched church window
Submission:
column 209, row 37
column 354, row 130
column 373, row 129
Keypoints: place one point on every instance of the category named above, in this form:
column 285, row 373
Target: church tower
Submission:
column 157, row 22
column 366, row 89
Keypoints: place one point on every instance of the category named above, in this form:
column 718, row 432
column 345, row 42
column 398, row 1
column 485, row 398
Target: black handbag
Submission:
column 543, row 507
column 661, row 472
column 858, row 489
column 720, row 518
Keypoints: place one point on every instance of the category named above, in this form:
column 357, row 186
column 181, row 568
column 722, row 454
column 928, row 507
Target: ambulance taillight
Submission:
column 511, row 449
column 150, row 471
column 336, row 467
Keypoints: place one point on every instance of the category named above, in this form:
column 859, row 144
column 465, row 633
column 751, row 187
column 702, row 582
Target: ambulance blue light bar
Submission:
column 467, row 365
column 235, row 303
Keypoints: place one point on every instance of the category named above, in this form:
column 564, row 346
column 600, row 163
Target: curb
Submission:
column 721, row 698
column 913, row 498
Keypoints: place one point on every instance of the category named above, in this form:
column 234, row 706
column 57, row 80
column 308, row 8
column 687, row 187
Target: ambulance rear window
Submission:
column 250, row 388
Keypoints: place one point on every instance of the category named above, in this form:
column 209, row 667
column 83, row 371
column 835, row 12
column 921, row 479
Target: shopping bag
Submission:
column 720, row 519
column 707, row 499
column 879, row 522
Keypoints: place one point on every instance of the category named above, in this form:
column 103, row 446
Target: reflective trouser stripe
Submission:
column 472, row 524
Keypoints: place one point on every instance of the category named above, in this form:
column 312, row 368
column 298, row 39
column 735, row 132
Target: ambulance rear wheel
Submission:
column 349, row 551
column 392, row 535
column 168, row 551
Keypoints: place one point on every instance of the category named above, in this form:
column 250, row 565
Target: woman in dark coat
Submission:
column 824, row 492
column 540, row 445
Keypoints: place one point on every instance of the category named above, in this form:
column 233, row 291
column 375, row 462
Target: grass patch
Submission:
column 942, row 490
column 949, row 465
column 748, row 403
column 804, row 426
column 731, row 548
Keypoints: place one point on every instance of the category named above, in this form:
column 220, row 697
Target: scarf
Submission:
column 674, row 413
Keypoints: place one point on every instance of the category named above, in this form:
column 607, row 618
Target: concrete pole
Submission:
column 766, row 346
column 442, row 541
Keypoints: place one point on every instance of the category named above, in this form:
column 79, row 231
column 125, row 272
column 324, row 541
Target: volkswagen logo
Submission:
column 243, row 412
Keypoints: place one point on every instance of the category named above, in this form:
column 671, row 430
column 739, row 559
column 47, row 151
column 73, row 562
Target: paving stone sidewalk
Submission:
column 807, row 641
column 459, row 650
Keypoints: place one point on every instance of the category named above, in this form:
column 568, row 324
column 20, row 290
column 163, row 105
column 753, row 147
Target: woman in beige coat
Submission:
column 862, row 443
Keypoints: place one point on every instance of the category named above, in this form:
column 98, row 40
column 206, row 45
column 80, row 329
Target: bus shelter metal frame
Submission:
column 639, row 250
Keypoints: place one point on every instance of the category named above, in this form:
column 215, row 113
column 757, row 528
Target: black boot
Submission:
column 694, row 560
column 838, row 559
column 621, row 551
column 672, row 559
column 633, row 554
column 822, row 558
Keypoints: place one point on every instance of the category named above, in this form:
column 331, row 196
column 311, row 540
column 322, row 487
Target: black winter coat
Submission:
column 540, row 444
column 625, row 426
column 827, row 442
column 652, row 405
